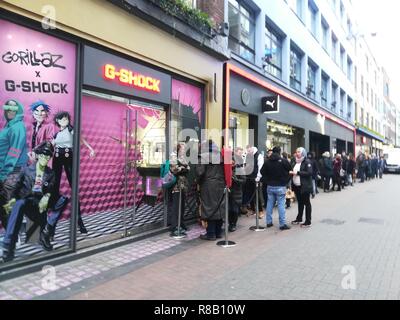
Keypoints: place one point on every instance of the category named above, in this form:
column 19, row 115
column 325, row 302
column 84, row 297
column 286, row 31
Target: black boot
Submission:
column 52, row 232
column 82, row 228
column 44, row 239
column 8, row 253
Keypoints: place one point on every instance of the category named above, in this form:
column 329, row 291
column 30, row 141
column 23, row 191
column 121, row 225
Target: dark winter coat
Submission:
column 275, row 171
column 326, row 167
column 238, row 180
column 305, row 173
column 351, row 165
column 211, row 179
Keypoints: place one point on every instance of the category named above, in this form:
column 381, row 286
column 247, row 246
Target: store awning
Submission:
column 370, row 134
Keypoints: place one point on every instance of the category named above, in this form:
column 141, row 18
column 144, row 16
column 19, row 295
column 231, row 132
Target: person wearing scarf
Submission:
column 302, row 185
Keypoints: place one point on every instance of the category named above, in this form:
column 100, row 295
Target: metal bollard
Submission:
column 226, row 243
column 257, row 227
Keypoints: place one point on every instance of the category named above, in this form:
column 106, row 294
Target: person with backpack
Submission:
column 178, row 169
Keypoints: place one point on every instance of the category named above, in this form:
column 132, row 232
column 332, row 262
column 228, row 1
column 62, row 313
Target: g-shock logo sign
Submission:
column 113, row 73
column 35, row 87
column 131, row 78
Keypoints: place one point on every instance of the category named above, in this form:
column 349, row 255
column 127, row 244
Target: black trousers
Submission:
column 234, row 210
column 173, row 207
column 337, row 180
column 326, row 179
column 59, row 163
column 249, row 196
column 303, row 200
column 214, row 228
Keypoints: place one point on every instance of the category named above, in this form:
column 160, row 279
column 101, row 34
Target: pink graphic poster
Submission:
column 35, row 66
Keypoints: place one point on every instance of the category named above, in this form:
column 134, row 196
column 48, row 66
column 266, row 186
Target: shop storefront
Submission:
column 109, row 119
column 369, row 142
column 297, row 122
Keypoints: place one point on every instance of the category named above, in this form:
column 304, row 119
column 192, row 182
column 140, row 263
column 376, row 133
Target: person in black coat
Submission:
column 302, row 186
column 211, row 178
column 236, row 194
column 311, row 157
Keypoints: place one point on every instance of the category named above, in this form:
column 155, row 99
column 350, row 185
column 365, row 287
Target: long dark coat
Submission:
column 211, row 179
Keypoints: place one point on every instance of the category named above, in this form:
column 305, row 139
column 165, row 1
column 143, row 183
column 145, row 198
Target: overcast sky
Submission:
column 383, row 17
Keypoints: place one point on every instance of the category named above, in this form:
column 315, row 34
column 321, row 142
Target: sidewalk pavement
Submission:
column 353, row 230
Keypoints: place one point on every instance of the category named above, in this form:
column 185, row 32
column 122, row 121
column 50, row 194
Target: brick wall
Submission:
column 214, row 8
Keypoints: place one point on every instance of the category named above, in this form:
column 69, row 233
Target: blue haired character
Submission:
column 43, row 130
column 13, row 152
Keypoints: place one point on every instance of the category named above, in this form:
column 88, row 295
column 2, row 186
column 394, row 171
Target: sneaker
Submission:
column 284, row 227
column 205, row 237
column 295, row 222
column 269, row 225
column 305, row 225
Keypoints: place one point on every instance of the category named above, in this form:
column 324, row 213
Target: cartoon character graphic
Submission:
column 42, row 130
column 34, row 188
column 63, row 143
column 13, row 152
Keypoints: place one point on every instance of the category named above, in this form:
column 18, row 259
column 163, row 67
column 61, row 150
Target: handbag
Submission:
column 342, row 173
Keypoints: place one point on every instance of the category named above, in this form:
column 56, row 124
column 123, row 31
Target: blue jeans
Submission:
column 276, row 194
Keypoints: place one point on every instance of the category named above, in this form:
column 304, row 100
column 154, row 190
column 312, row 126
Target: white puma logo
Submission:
column 269, row 103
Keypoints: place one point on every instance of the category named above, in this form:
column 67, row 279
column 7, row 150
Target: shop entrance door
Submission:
column 120, row 189
column 146, row 136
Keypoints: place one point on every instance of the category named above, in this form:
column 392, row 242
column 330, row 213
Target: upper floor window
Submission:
column 241, row 30
column 324, row 90
column 342, row 102
column 295, row 69
column 342, row 59
column 312, row 18
column 362, row 85
column 273, row 53
column 325, row 34
column 349, row 68
column 334, row 48
column 296, row 6
column 334, row 96
column 367, row 92
column 311, row 75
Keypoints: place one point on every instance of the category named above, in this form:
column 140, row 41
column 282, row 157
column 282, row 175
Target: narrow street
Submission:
column 354, row 231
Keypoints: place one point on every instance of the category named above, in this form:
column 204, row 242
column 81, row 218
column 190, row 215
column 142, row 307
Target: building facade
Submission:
column 130, row 80
column 370, row 104
column 305, row 60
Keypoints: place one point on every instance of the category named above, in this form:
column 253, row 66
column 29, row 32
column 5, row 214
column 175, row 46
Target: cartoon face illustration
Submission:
column 40, row 111
column 63, row 122
column 43, row 159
